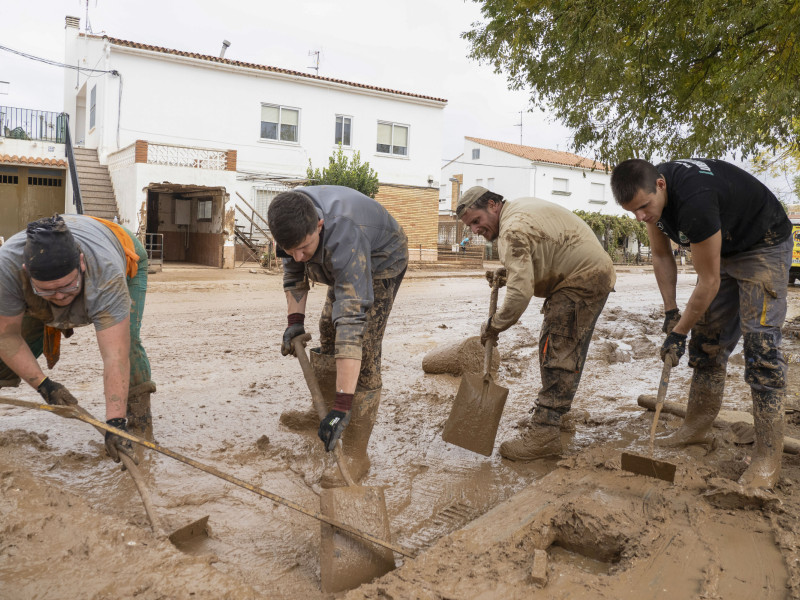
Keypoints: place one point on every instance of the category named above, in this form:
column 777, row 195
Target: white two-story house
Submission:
column 194, row 143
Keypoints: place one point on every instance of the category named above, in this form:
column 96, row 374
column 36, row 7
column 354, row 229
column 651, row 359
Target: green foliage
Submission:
column 783, row 162
column 673, row 78
column 614, row 230
column 350, row 173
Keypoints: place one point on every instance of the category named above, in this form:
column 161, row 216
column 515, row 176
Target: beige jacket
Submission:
column 546, row 249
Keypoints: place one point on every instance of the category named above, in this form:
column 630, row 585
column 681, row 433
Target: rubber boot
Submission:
column 324, row 367
column 10, row 382
column 140, row 419
column 705, row 400
column 768, row 422
column 355, row 439
column 541, row 439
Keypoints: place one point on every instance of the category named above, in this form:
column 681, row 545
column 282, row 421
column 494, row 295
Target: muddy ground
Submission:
column 72, row 526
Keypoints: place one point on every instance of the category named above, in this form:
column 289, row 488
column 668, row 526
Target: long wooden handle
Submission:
column 662, row 394
column 71, row 413
column 299, row 344
column 487, row 355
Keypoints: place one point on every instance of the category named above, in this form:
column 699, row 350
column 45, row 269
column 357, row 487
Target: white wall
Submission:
column 185, row 101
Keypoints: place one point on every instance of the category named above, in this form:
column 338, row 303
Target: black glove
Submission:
column 671, row 318
column 116, row 444
column 675, row 344
column 294, row 329
column 489, row 333
column 55, row 393
column 332, row 426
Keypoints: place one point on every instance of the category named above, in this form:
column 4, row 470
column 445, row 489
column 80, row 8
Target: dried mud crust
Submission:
column 214, row 348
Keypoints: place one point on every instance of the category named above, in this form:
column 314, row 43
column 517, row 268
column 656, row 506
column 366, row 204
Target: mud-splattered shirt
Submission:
column 104, row 300
column 360, row 241
column 546, row 248
column 705, row 196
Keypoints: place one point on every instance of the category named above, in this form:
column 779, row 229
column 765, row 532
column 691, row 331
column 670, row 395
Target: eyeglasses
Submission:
column 73, row 287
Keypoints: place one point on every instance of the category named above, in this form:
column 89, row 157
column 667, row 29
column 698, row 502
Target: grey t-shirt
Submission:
column 104, row 300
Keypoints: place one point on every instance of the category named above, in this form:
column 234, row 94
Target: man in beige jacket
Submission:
column 550, row 253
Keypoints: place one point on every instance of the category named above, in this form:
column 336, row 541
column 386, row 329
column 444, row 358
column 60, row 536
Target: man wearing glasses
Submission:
column 65, row 272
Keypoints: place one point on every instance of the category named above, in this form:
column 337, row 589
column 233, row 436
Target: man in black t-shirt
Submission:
column 740, row 238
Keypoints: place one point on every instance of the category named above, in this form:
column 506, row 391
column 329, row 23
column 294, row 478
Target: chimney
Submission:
column 73, row 22
column 225, row 44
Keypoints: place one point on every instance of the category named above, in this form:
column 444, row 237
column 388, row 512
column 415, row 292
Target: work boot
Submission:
column 140, row 419
column 355, row 439
column 705, row 400
column 541, row 439
column 765, row 467
column 324, row 367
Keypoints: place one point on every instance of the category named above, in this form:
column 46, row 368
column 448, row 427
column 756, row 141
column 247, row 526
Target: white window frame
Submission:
column 476, row 154
column 336, row 123
column 559, row 192
column 392, row 146
column 92, row 107
column 278, row 139
column 592, row 198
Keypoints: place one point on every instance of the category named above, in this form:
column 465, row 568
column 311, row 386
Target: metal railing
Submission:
column 30, row 124
column 73, row 169
column 154, row 244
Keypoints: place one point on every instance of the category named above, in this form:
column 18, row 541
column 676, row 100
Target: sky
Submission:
column 407, row 45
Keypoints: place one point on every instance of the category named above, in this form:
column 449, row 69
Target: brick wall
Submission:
column 455, row 191
column 140, row 152
column 417, row 211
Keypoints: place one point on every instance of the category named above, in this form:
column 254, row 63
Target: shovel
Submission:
column 187, row 533
column 479, row 403
column 347, row 562
column 642, row 465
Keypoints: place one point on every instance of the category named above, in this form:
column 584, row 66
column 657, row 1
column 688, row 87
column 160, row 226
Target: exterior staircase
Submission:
column 97, row 193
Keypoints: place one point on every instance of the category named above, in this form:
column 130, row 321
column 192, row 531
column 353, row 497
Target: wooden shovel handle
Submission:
column 662, row 394
column 487, row 355
column 299, row 344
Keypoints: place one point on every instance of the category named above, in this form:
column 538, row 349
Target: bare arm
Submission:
column 347, row 371
column 115, row 345
column 706, row 259
column 15, row 352
column 296, row 300
column 663, row 266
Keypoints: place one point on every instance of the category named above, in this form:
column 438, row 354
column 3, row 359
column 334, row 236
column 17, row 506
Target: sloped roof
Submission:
column 544, row 155
column 32, row 160
column 237, row 63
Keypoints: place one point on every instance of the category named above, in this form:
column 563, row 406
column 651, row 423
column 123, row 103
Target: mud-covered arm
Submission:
column 706, row 261
column 16, row 354
column 115, row 346
column 515, row 254
column 351, row 268
column 664, row 267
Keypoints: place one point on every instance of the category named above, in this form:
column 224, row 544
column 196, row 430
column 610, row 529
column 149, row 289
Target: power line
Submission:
column 54, row 63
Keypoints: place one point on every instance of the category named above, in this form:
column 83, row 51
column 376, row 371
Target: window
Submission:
column 560, row 186
column 490, row 183
column 4, row 85
column 279, row 123
column 479, row 182
column 476, row 153
column 44, row 181
column 261, row 203
column 343, row 127
column 92, row 106
column 597, row 193
column 10, row 179
column 392, row 139
column 204, row 210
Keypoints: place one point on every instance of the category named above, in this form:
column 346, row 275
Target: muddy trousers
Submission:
column 563, row 345
column 750, row 303
column 33, row 331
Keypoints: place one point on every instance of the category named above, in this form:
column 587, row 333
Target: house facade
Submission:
column 516, row 171
column 195, row 143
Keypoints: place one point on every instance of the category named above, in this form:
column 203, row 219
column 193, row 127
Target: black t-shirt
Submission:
column 705, row 196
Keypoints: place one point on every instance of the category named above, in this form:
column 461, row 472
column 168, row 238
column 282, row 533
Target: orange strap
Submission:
column 52, row 345
column 131, row 256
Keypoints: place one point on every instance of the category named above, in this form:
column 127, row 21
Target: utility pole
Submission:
column 520, row 127
column 316, row 62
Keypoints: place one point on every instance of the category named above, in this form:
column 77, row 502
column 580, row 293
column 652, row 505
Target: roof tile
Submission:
column 556, row 157
column 32, row 160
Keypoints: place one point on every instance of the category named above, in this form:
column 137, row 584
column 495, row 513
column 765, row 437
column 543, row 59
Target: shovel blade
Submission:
column 347, row 561
column 642, row 465
column 476, row 413
column 190, row 532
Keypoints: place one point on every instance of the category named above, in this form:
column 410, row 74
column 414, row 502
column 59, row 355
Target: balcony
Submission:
column 33, row 125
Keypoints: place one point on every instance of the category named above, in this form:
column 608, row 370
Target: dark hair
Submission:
column 291, row 218
column 630, row 176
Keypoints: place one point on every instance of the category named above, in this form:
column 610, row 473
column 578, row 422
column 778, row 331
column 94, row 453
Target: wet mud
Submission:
column 71, row 524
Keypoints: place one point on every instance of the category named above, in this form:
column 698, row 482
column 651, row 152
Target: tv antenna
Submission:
column 520, row 127
column 314, row 53
column 88, row 26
